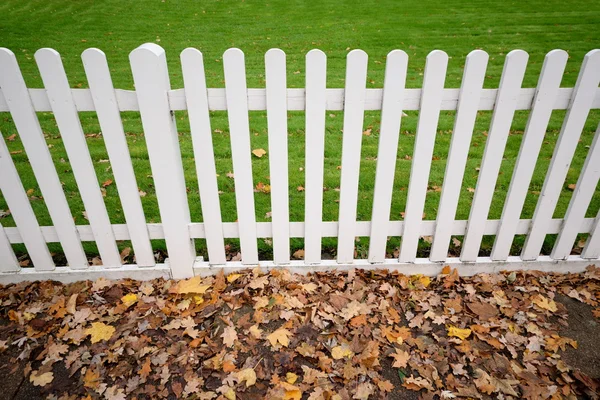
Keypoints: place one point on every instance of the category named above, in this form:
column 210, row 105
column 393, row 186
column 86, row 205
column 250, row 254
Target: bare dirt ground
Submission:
column 331, row 336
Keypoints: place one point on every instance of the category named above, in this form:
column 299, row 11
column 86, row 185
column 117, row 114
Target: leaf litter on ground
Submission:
column 330, row 336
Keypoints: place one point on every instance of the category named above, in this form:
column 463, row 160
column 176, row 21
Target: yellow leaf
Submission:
column 340, row 352
column 280, row 336
column 259, row 152
column 425, row 281
column 230, row 394
column 545, row 303
column 459, row 333
column 129, row 299
column 233, row 277
column 100, row 331
column 192, row 285
column 291, row 392
column 255, row 331
column 291, row 378
column 247, row 375
column 41, row 379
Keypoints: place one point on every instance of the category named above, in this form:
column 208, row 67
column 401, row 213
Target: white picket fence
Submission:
column 155, row 100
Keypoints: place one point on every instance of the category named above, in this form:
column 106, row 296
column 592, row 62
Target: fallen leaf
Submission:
column 280, row 336
column 41, row 379
column 100, row 331
column 459, row 333
column 342, row 351
column 229, row 336
column 129, row 299
column 247, row 375
column 259, row 152
column 107, row 182
column 192, row 285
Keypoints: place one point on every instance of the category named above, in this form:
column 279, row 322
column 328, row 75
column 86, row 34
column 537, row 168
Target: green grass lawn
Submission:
column 296, row 27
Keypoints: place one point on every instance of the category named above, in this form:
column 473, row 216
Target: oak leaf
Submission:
column 41, row 379
column 229, row 336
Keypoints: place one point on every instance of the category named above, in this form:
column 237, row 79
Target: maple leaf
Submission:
column 229, row 336
column 459, row 333
column 248, row 375
column 401, row 358
column 41, row 379
column 363, row 391
column 291, row 378
column 192, row 285
column 100, row 331
column 259, row 283
column 259, row 152
column 280, row 336
column 385, row 385
column 544, row 303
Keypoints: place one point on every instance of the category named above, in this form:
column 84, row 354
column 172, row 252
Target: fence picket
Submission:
column 32, row 137
column 151, row 78
column 109, row 117
column 584, row 191
column 581, row 102
column 591, row 249
column 20, row 208
column 275, row 68
column 391, row 114
column 506, row 103
column 194, row 79
column 541, row 111
column 316, row 77
column 431, row 101
column 56, row 84
column 464, row 123
column 354, row 109
column 239, row 132
column 8, row 259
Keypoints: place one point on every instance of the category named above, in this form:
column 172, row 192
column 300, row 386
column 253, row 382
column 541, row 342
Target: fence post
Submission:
column 151, row 78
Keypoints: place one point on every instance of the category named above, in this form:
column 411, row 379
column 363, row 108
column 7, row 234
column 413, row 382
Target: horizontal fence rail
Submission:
column 156, row 100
